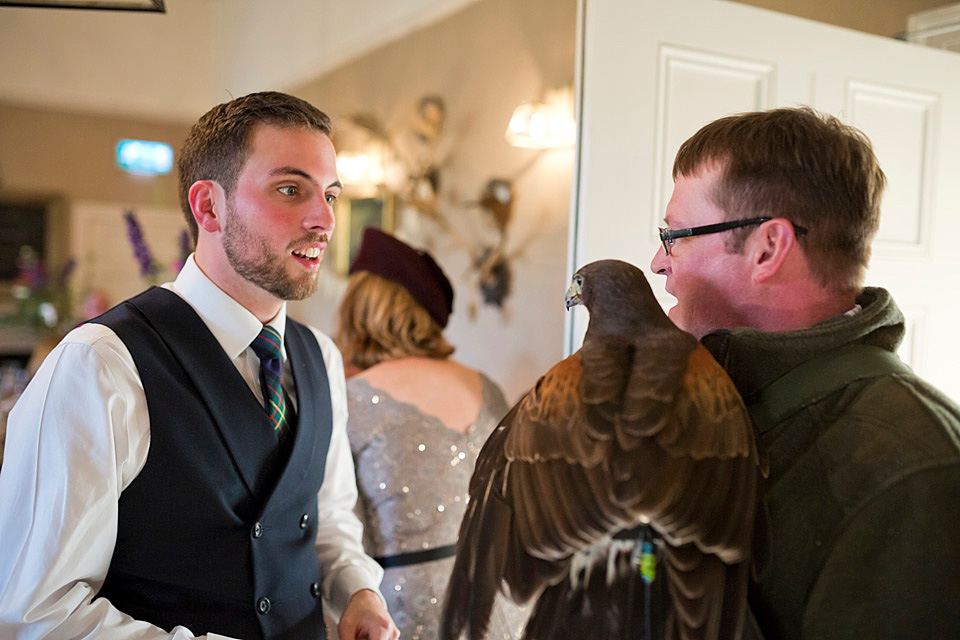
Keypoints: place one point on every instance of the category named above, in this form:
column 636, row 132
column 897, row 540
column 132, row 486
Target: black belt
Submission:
column 416, row 557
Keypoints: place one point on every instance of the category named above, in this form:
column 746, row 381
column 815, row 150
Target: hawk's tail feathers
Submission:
column 478, row 569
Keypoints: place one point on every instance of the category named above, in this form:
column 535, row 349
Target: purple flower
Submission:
column 66, row 272
column 148, row 266
column 31, row 272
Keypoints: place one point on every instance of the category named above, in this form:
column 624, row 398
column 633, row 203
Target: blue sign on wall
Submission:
column 144, row 157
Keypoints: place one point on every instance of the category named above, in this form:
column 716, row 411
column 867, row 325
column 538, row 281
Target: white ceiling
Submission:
column 174, row 66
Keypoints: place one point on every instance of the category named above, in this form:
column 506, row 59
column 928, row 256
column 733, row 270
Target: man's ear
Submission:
column 769, row 248
column 207, row 202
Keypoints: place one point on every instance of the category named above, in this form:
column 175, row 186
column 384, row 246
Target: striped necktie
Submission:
column 267, row 348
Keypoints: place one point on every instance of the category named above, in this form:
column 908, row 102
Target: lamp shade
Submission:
column 542, row 125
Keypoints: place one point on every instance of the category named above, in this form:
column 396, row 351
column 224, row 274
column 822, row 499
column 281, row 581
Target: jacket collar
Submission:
column 755, row 358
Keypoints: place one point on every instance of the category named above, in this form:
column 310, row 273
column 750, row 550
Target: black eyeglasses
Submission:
column 667, row 236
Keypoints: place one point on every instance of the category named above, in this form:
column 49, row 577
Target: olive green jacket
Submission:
column 864, row 484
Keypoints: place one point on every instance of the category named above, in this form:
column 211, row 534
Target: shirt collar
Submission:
column 231, row 323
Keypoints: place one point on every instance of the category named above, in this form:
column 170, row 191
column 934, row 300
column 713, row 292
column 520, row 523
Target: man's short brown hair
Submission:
column 218, row 144
column 802, row 165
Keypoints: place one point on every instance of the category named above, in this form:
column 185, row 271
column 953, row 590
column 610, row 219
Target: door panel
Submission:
column 652, row 73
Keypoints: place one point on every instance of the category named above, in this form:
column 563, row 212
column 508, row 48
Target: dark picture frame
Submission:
column 114, row 5
column 353, row 216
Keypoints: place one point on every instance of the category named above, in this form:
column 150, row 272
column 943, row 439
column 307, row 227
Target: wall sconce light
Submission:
column 366, row 160
column 404, row 165
column 544, row 124
column 360, row 170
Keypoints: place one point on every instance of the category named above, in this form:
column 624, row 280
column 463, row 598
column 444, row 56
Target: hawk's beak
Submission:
column 573, row 298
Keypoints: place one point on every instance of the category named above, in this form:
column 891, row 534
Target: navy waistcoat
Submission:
column 217, row 531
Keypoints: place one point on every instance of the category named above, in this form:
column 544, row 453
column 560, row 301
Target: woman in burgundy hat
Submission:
column 417, row 421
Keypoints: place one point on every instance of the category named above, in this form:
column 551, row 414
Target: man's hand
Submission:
column 366, row 618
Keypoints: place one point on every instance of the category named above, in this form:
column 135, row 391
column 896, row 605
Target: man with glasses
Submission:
column 766, row 242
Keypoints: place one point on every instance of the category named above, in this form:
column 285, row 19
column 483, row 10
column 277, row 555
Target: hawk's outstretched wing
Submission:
column 641, row 425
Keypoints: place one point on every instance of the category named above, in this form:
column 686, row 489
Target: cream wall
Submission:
column 174, row 66
column 128, row 63
column 71, row 154
column 483, row 61
column 66, row 158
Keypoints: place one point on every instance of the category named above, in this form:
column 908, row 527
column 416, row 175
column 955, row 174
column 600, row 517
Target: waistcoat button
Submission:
column 257, row 530
column 315, row 589
column 304, row 520
column 263, row 606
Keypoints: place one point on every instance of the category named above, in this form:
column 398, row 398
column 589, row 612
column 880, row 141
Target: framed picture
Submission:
column 353, row 216
column 122, row 5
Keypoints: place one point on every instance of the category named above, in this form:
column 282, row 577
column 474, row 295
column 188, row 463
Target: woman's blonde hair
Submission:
column 379, row 320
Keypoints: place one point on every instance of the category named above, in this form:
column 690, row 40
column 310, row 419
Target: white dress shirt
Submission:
column 80, row 434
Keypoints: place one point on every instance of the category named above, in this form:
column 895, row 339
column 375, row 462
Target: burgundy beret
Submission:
column 413, row 269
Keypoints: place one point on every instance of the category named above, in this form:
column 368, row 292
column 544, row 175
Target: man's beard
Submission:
column 253, row 260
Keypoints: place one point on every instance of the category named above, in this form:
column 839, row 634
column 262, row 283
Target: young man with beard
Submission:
column 766, row 243
column 179, row 466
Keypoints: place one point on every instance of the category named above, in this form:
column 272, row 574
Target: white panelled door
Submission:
column 653, row 72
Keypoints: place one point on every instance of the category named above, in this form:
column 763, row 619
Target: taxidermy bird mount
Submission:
column 416, row 161
column 622, row 491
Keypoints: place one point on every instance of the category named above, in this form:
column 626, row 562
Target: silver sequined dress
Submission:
column 412, row 475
